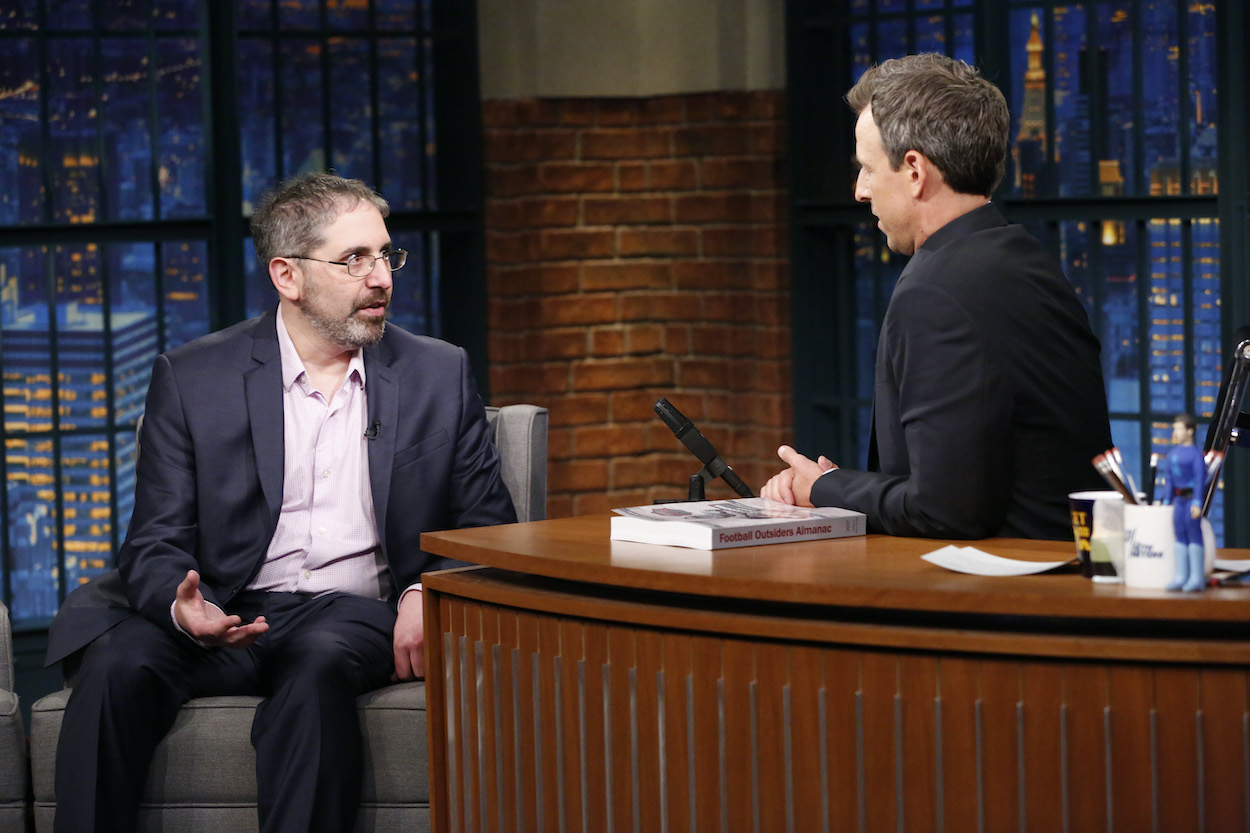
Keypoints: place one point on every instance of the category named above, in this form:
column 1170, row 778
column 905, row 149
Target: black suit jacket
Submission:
column 989, row 397
column 209, row 479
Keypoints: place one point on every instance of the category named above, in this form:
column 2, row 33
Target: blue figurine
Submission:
column 1184, row 481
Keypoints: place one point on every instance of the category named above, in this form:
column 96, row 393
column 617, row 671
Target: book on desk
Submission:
column 738, row 522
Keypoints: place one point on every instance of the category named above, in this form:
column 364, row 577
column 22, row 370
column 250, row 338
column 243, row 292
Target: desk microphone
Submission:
column 713, row 465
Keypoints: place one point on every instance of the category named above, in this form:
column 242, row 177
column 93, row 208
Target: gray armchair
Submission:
column 13, row 806
column 203, row 775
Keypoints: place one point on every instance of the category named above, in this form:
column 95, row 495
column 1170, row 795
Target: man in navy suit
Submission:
column 289, row 465
column 989, row 403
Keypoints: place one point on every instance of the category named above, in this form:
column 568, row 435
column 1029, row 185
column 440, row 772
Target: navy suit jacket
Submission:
column 209, row 479
column 989, row 403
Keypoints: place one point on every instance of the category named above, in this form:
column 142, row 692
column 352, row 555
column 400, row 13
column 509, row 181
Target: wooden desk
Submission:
column 582, row 684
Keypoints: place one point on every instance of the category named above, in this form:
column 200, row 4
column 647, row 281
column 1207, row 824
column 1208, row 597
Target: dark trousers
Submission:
column 318, row 655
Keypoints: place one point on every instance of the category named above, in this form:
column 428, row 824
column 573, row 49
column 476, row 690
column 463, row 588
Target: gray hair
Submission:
column 291, row 219
column 943, row 108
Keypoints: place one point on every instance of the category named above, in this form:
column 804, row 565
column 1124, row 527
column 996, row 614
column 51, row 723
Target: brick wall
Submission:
column 636, row 249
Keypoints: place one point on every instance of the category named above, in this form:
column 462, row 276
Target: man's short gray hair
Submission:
column 291, row 219
column 943, row 108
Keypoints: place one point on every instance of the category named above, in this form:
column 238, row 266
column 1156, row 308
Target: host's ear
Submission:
column 922, row 175
column 286, row 278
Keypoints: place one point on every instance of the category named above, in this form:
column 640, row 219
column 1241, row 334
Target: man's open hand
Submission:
column 209, row 624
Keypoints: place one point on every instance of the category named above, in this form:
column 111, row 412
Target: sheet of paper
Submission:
column 975, row 562
column 1235, row 565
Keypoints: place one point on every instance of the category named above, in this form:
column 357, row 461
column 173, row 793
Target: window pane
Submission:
column 1161, row 87
column 343, row 15
column 183, row 142
column 125, row 114
column 124, row 463
column 931, row 34
column 410, row 302
column 21, row 140
column 402, row 138
column 1115, row 313
column 135, row 340
column 72, row 129
column 1202, row 97
column 31, row 526
column 964, row 39
column 256, row 133
column 1168, row 370
column 892, row 39
column 351, row 122
column 176, row 14
column 27, row 354
column 303, row 142
column 1111, row 68
column 1205, row 276
column 87, row 493
column 396, row 14
column 69, row 14
column 254, row 14
column 298, row 16
column 184, row 270
column 1071, row 103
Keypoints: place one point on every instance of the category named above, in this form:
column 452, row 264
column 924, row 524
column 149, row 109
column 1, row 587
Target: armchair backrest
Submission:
column 521, row 437
column 6, row 650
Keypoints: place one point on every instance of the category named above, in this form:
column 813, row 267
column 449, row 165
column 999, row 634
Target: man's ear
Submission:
column 286, row 278
column 921, row 173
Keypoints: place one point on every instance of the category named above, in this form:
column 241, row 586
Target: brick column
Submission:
column 636, row 249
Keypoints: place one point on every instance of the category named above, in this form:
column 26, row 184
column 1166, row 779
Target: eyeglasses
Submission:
column 360, row 266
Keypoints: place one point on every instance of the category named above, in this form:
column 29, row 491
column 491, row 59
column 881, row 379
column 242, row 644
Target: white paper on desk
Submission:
column 974, row 562
column 1236, row 565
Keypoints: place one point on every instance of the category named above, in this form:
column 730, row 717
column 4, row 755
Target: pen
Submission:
column 1121, row 471
column 1106, row 467
column 1154, row 473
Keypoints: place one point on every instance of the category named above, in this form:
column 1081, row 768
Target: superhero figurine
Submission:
column 1184, row 481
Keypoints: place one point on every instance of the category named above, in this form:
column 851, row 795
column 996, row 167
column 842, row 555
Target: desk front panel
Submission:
column 572, row 707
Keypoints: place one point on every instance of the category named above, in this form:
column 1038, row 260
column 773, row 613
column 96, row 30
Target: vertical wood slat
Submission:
column 999, row 697
column 1223, row 754
column 553, row 723
column 1132, row 754
column 1041, row 690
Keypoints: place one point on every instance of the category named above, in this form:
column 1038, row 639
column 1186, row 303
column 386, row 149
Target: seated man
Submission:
column 989, row 402
column 290, row 464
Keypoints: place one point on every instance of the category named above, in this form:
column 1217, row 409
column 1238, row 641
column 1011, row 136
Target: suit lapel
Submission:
column 382, row 391
column 263, row 384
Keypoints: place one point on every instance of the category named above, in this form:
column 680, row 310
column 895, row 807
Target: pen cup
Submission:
column 1150, row 547
column 1098, row 531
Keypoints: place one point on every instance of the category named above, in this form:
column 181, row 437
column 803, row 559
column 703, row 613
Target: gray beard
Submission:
column 351, row 333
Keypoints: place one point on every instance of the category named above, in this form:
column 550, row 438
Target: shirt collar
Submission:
column 293, row 365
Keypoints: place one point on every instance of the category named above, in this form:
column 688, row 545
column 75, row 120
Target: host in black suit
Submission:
column 989, row 403
column 289, row 465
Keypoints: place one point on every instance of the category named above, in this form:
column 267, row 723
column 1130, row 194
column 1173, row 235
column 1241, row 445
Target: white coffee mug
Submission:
column 1150, row 546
